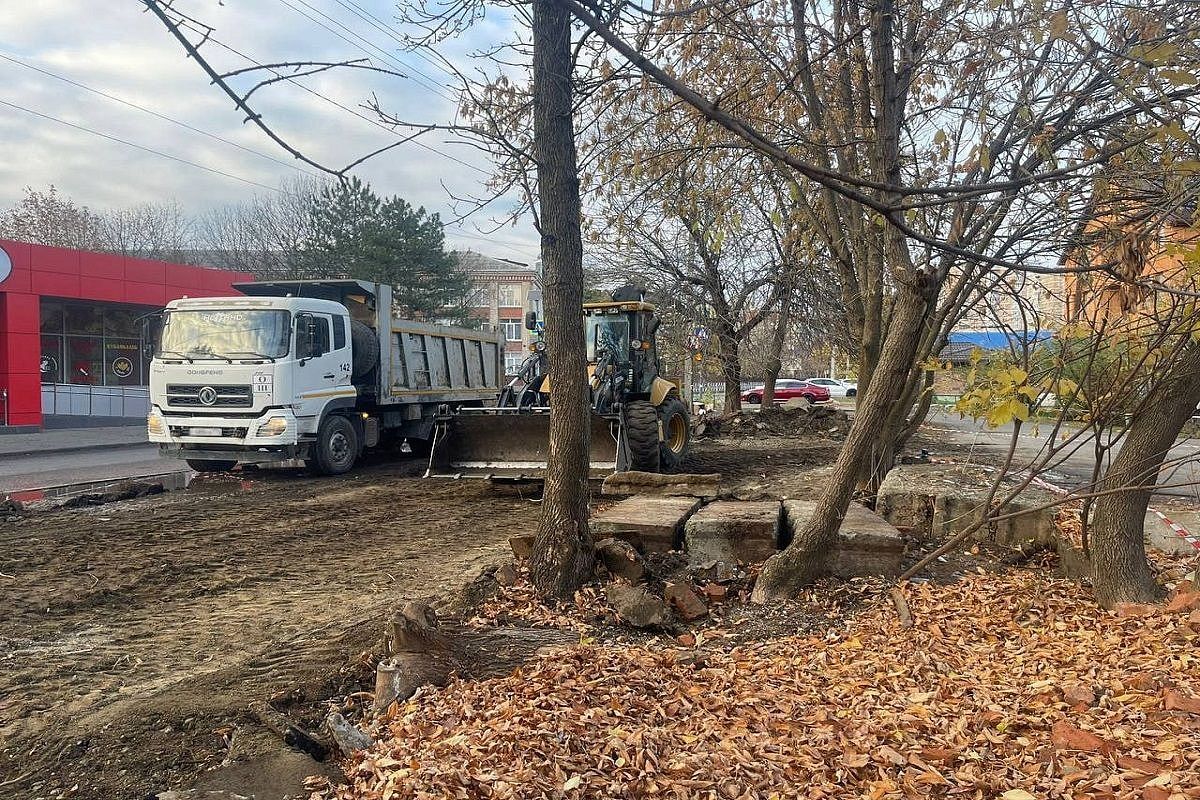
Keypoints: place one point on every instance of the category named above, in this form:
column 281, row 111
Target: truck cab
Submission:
column 249, row 379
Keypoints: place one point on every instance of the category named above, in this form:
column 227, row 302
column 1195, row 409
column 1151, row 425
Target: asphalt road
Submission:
column 40, row 470
column 1071, row 466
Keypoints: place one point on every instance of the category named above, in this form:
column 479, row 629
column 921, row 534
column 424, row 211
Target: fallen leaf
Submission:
column 1017, row 794
column 1066, row 736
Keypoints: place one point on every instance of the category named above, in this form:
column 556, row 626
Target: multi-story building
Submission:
column 503, row 291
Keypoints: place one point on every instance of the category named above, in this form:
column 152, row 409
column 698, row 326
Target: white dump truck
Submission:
column 311, row 370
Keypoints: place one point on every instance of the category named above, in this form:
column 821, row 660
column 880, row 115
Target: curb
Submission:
column 64, row 490
column 75, row 448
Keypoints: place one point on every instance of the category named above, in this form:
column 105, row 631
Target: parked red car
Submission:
column 787, row 389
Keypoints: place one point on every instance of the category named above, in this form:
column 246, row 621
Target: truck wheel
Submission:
column 210, row 466
column 677, row 433
column 641, row 434
column 365, row 346
column 336, row 448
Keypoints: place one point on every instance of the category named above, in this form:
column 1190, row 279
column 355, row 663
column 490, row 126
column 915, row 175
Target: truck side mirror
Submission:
column 531, row 320
column 149, row 331
column 306, row 333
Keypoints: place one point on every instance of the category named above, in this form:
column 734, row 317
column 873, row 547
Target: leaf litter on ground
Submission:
column 1011, row 685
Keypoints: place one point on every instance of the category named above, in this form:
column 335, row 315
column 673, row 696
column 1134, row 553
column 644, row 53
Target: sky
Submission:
column 105, row 153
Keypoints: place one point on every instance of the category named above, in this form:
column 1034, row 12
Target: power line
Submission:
column 435, row 88
column 152, row 112
column 383, row 27
column 128, row 143
column 213, row 40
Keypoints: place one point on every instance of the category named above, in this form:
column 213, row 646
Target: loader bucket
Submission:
column 508, row 444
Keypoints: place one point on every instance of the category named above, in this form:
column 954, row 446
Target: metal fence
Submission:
column 70, row 400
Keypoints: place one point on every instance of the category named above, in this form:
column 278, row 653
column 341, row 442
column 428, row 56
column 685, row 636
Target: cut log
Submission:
column 424, row 653
column 292, row 734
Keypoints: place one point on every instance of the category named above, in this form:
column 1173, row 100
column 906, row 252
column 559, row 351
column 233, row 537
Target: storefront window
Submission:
column 92, row 344
column 121, row 322
column 52, row 359
column 52, row 316
column 85, row 360
column 83, row 319
column 121, row 361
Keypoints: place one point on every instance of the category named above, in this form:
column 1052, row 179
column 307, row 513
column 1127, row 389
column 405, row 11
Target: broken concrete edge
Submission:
column 866, row 543
column 705, row 486
column 734, row 531
column 943, row 507
column 658, row 520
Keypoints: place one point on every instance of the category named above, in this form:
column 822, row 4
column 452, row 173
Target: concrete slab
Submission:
column 937, row 502
column 658, row 521
column 627, row 484
column 867, row 544
column 733, row 531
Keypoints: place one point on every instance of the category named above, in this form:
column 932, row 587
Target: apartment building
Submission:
column 503, row 291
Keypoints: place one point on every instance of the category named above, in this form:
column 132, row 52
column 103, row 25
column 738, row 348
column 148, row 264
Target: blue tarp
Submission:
column 996, row 340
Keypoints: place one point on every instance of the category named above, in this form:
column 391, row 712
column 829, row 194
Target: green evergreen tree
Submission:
column 356, row 234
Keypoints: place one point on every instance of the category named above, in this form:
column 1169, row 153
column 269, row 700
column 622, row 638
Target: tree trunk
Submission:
column 731, row 368
column 774, row 358
column 563, row 549
column 1121, row 572
column 786, row 573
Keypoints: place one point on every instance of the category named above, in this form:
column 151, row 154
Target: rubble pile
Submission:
column 801, row 419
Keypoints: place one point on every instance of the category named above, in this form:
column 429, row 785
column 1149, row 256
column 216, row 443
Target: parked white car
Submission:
column 837, row 388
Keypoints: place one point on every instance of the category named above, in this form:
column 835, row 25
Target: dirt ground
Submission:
column 134, row 634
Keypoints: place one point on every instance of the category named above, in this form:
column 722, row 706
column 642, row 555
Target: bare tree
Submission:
column 50, row 218
column 265, row 234
column 150, row 230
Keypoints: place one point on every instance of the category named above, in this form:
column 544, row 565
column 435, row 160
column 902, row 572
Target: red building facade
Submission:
column 69, row 317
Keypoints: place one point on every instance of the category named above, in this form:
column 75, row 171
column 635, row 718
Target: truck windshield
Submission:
column 218, row 333
column 608, row 333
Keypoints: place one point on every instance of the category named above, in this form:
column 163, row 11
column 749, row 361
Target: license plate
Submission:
column 206, row 431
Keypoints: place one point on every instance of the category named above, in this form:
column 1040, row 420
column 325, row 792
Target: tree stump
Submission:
column 421, row 653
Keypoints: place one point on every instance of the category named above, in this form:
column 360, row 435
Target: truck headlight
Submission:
column 155, row 425
column 275, row 426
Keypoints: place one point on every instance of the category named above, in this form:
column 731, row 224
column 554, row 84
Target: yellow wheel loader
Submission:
column 639, row 420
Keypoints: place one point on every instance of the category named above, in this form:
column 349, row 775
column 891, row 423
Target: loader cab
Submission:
column 625, row 329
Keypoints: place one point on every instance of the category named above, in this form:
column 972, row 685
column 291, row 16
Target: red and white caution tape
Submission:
column 1179, row 530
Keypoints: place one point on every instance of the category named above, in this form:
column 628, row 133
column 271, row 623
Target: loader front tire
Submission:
column 641, row 434
column 677, row 433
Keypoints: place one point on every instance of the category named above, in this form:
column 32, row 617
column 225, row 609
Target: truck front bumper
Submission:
column 269, row 437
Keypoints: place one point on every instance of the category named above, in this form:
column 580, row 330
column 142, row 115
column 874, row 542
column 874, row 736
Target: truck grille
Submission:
column 189, row 395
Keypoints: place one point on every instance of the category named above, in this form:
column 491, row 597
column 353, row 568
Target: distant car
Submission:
column 836, row 387
column 787, row 389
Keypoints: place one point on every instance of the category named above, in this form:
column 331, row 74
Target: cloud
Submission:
column 123, row 51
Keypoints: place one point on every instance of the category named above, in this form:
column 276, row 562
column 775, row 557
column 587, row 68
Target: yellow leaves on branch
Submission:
column 1001, row 394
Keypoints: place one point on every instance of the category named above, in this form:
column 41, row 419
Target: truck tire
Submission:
column 641, row 435
column 365, row 346
column 677, row 433
column 336, row 448
column 210, row 466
